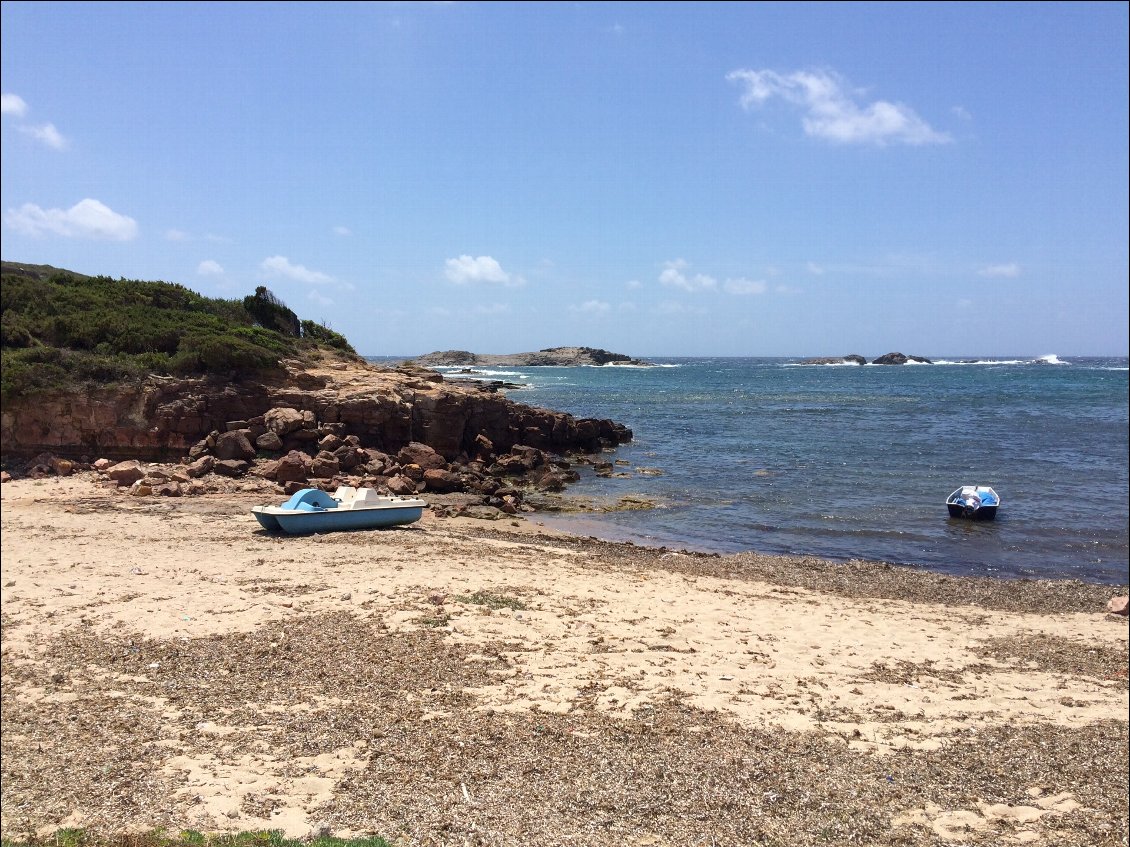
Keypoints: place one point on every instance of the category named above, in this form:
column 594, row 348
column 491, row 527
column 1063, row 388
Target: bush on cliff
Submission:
column 59, row 328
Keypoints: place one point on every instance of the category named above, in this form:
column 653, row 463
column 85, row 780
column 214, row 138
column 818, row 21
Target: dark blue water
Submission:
column 856, row 462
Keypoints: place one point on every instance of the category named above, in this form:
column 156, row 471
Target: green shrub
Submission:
column 97, row 329
column 325, row 335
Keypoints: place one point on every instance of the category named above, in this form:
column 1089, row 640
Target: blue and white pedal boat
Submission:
column 313, row 510
column 975, row 502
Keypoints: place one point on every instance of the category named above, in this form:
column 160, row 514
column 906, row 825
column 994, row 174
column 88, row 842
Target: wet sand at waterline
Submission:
column 166, row 663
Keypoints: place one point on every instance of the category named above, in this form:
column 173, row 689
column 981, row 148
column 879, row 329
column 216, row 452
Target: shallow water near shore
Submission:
column 849, row 462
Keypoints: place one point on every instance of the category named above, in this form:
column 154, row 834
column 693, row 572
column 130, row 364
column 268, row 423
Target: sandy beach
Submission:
column 168, row 664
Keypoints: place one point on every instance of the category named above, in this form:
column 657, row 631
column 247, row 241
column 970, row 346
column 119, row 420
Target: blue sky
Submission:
column 655, row 179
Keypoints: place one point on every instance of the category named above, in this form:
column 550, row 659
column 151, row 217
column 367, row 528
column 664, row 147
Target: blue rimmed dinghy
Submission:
column 975, row 502
column 313, row 510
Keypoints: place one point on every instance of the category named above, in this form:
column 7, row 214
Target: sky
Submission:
column 655, row 179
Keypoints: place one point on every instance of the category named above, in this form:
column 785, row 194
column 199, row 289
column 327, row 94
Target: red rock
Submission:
column 401, row 485
column 1119, row 606
column 126, row 473
column 442, row 481
column 292, row 468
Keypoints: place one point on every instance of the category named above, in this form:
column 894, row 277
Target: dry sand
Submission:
column 168, row 664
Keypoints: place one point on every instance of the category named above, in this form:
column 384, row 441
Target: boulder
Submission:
column 401, row 485
column 126, row 473
column 416, row 453
column 330, row 443
column 1119, row 606
column 442, row 481
column 325, row 466
column 234, row 445
column 62, row 467
column 269, row 440
column 283, row 421
column 292, row 468
column 200, row 467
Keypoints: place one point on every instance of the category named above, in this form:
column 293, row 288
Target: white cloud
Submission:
column 47, row 134
column 466, row 270
column 831, row 111
column 592, row 307
column 282, row 266
column 12, row 104
column 673, row 276
column 1009, row 270
column 342, row 230
column 86, row 219
column 741, row 285
column 176, row 235
column 633, row 284
column 319, row 298
column 816, row 269
column 209, row 268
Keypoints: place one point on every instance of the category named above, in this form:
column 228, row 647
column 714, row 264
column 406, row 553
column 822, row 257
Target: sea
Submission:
column 855, row 462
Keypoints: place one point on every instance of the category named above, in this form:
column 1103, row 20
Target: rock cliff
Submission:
column 385, row 408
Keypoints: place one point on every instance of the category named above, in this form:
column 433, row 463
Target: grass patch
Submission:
column 188, row 838
column 492, row 601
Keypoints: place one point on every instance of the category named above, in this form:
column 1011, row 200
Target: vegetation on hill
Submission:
column 58, row 328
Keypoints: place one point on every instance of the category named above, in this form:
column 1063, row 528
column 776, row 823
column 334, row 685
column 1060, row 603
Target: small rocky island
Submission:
column 566, row 357
column 856, row 359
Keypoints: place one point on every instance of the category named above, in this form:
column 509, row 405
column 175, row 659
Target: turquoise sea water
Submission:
column 856, row 462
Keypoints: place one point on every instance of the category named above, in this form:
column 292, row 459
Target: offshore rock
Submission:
column 900, row 359
column 850, row 359
column 549, row 357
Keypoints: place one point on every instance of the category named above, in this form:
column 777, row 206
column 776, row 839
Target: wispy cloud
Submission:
column 342, row 230
column 833, row 112
column 209, row 268
column 673, row 308
column 282, row 266
column 592, row 307
column 674, row 275
column 741, row 285
column 17, row 107
column 486, row 309
column 47, row 134
column 1008, row 271
column 468, row 270
column 12, row 104
column 319, row 298
column 86, row 219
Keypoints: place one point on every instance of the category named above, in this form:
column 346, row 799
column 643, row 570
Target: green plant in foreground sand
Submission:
column 187, row 838
column 493, row 601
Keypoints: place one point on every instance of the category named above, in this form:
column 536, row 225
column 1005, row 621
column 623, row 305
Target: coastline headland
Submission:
column 334, row 422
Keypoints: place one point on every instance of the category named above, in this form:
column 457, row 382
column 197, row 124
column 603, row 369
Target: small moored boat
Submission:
column 313, row 510
column 975, row 502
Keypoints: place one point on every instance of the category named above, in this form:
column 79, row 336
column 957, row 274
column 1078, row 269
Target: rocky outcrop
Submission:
column 386, row 409
column 900, row 359
column 850, row 359
column 549, row 357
